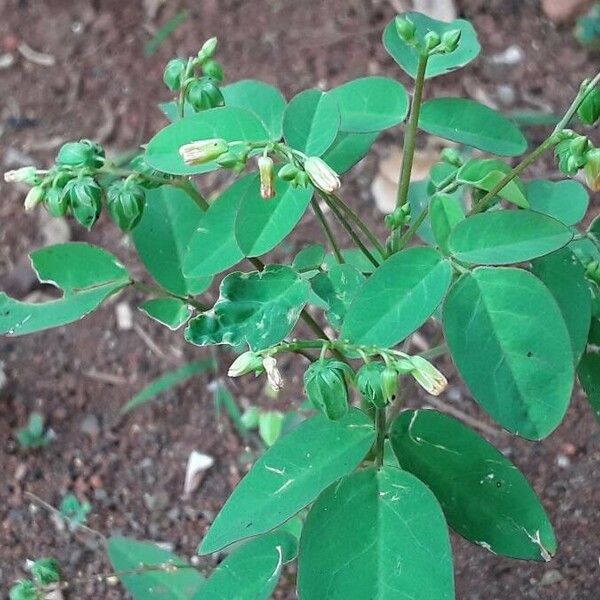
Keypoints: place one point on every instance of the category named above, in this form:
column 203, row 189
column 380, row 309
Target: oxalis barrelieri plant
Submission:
column 361, row 496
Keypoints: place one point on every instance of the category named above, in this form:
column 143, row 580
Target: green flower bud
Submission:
column 579, row 146
column 204, row 94
column 83, row 153
column 26, row 175
column 46, row 571
column 427, row 376
column 173, row 73
column 432, row 40
column 389, row 383
column 267, row 177
column 288, row 172
column 34, row 197
column 452, row 157
column 400, row 216
column 248, row 362
column 85, row 196
column 57, row 202
column 592, row 169
column 450, row 40
column 325, row 387
column 213, row 69
column 589, row 109
column 568, row 162
column 126, row 202
column 203, row 151
column 229, row 160
column 370, row 383
column 406, row 30
column 301, row 180
column 321, row 174
column 24, row 590
column 208, row 49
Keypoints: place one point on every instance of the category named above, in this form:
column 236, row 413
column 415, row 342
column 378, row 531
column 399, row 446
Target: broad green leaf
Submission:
column 567, row 201
column 398, row 298
column 486, row 173
column 258, row 309
column 229, row 123
column 309, row 258
column 212, row 247
column 504, row 237
column 589, row 377
column 171, row 312
column 261, row 224
column 585, row 250
column 290, row 475
column 162, row 237
column 348, row 149
column 355, row 258
column 168, row 381
column 564, row 276
column 171, row 110
column 86, row 274
column 376, row 534
column 473, row 124
column 511, row 345
column 371, row 104
column 337, row 288
column 179, row 582
column 445, row 212
column 311, row 122
column 249, row 573
column 485, row 498
column 440, row 64
column 261, row 99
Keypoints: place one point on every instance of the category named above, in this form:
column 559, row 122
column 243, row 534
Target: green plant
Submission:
column 74, row 511
column 46, row 575
column 34, row 434
column 516, row 280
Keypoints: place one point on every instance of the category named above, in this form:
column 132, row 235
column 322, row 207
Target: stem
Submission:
column 187, row 186
column 381, row 427
column 434, row 352
column 327, row 230
column 154, row 289
column 410, row 232
column 410, row 140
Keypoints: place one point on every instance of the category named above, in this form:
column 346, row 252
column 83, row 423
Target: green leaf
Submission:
column 338, row 288
column 440, row 64
column 229, row 123
column 290, row 475
column 179, row 582
column 171, row 312
column 168, row 381
column 311, row 122
column 212, row 247
column 349, row 149
column 511, row 345
column 87, row 275
column 261, row 224
column 504, row 237
column 484, row 174
column 445, row 212
column 258, row 309
column 371, row 104
column 162, row 237
column 263, row 100
column 564, row 276
column 355, row 258
column 473, row 124
column 309, row 258
column 485, row 498
column 589, row 377
column 567, row 201
column 251, row 572
column 398, row 298
column 164, row 32
column 376, row 534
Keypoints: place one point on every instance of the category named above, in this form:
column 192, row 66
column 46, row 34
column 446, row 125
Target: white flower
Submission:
column 267, row 178
column 427, row 376
column 203, row 151
column 273, row 374
column 245, row 363
column 322, row 175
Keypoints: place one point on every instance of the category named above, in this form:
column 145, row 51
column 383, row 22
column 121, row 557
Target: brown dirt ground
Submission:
column 103, row 87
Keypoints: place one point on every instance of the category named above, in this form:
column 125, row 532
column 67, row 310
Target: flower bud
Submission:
column 427, row 376
column 213, row 69
column 370, row 384
column 389, row 383
column 248, row 362
column 325, row 387
column 579, row 146
column 273, row 375
column 208, row 49
column 589, row 109
column 83, row 153
column 288, row 172
column 406, row 30
column 432, row 40
column 203, row 151
column 26, row 175
column 173, row 73
column 34, row 197
column 400, row 216
column 85, row 197
column 322, row 175
column 56, row 201
column 592, row 169
column 450, row 40
column 301, row 180
column 267, row 177
column 126, row 202
column 452, row 157
column 203, row 94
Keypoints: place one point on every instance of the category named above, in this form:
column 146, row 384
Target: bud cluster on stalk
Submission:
column 431, row 42
column 576, row 152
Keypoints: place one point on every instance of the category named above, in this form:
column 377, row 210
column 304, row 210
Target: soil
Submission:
column 102, row 86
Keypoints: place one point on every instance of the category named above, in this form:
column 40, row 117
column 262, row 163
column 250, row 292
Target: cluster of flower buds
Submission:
column 575, row 152
column 432, row 42
column 592, row 270
column 201, row 91
column 251, row 362
column 296, row 176
column 125, row 201
column 452, row 157
column 377, row 383
column 398, row 218
column 325, row 387
column 589, row 109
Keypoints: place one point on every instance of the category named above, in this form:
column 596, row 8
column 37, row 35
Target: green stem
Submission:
column 410, row 141
column 187, row 186
column 381, row 427
column 327, row 230
column 154, row 289
column 410, row 232
column 434, row 352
